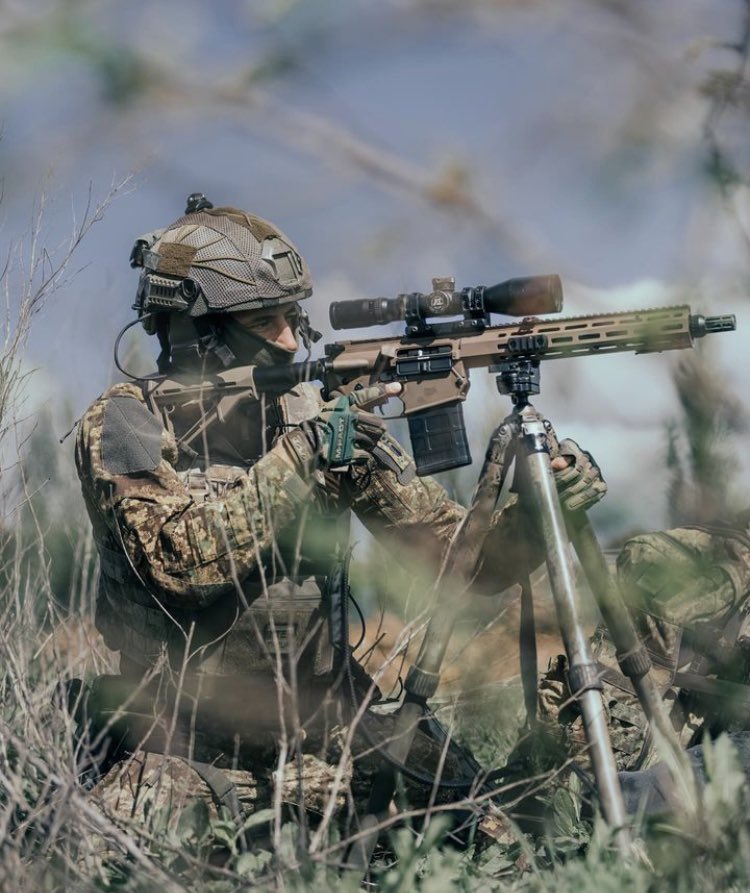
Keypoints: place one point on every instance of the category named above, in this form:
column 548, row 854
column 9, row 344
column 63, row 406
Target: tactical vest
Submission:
column 282, row 609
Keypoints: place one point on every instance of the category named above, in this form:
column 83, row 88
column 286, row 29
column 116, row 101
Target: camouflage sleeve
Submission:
column 395, row 504
column 414, row 515
column 190, row 551
column 687, row 575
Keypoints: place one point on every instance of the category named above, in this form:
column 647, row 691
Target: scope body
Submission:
column 526, row 296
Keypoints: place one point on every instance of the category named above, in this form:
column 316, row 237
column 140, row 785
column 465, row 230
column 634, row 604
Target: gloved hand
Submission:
column 580, row 484
column 343, row 433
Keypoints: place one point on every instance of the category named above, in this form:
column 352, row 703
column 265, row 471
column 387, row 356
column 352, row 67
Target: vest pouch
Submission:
column 282, row 626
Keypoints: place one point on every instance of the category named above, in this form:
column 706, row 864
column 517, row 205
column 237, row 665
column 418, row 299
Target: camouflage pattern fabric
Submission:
column 191, row 551
column 152, row 789
column 200, row 560
column 688, row 591
column 628, row 729
column 172, row 555
column 687, row 576
column 146, row 782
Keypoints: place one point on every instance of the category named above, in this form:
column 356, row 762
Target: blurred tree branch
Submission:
column 129, row 77
column 32, row 273
column 729, row 90
column 703, row 469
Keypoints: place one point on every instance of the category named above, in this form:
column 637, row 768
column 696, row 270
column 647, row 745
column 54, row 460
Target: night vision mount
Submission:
column 164, row 293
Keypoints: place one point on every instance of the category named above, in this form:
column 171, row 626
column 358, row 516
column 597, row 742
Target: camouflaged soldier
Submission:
column 221, row 539
column 688, row 590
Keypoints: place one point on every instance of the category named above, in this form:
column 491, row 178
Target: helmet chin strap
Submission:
column 212, row 342
column 220, row 341
column 193, row 345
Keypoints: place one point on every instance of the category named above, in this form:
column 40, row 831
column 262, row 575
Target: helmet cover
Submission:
column 221, row 260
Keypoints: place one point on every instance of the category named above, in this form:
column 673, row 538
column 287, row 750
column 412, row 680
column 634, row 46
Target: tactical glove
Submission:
column 581, row 484
column 341, row 435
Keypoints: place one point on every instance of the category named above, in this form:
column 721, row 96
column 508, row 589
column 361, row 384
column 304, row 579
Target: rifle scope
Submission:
column 525, row 296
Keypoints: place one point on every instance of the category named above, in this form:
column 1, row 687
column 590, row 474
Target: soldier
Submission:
column 688, row 590
column 223, row 581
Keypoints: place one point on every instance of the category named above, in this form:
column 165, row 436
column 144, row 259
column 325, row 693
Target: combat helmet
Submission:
column 208, row 263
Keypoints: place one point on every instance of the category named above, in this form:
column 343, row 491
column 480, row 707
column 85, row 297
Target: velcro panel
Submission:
column 391, row 454
column 131, row 437
column 175, row 258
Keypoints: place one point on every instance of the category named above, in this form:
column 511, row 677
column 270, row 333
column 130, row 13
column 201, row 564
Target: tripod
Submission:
column 526, row 437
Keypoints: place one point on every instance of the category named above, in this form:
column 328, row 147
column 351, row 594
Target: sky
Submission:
column 395, row 142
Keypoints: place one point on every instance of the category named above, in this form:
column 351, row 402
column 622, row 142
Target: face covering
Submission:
column 249, row 349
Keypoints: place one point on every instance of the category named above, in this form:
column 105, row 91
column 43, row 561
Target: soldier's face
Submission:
column 278, row 327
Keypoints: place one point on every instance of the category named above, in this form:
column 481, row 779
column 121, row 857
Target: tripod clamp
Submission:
column 518, row 377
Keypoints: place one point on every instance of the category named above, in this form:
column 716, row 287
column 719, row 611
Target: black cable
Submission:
column 397, row 696
column 362, row 622
column 117, row 348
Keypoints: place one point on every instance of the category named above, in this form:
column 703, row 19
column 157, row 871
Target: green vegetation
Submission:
column 54, row 836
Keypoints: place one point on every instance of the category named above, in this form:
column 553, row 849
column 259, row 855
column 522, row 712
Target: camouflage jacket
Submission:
column 218, row 575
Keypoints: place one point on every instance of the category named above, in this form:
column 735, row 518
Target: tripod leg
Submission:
column 528, row 651
column 632, row 656
column 584, row 679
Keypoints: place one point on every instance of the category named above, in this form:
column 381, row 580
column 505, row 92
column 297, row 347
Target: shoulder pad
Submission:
column 389, row 452
column 131, row 436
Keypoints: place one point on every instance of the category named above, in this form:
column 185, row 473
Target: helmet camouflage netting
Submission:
column 237, row 260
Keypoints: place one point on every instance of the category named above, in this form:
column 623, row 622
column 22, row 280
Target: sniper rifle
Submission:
column 434, row 356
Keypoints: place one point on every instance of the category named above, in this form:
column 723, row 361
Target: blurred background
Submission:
column 605, row 140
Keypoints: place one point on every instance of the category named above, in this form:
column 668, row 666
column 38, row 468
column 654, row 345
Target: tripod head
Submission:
column 518, row 378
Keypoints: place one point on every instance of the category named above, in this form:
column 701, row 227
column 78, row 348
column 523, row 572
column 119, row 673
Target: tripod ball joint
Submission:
column 517, row 376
